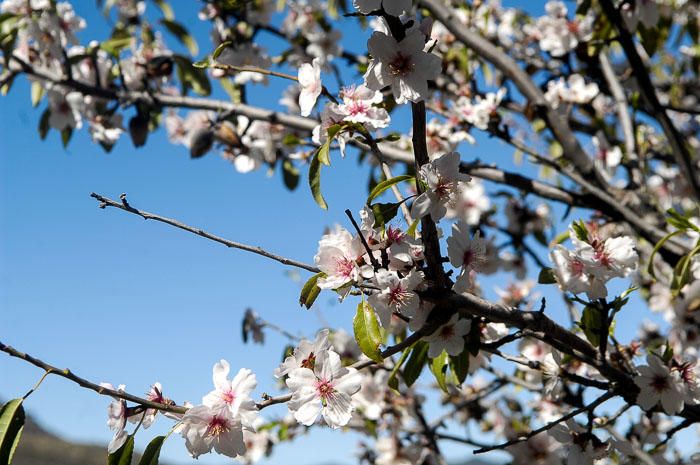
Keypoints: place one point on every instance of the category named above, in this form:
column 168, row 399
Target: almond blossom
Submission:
column 403, row 66
column 233, row 394
column 571, row 90
column 327, row 389
column 205, row 428
column 442, row 179
column 659, row 385
column 468, row 254
column 583, row 448
column 338, row 253
column 359, row 106
column 116, row 419
column 396, row 294
column 310, row 85
column 448, row 337
column 556, row 33
column 305, row 354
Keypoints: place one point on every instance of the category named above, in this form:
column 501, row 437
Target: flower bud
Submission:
column 138, row 129
column 201, row 142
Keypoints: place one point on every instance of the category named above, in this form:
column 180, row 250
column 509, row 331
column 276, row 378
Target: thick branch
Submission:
column 485, row 49
column 641, row 75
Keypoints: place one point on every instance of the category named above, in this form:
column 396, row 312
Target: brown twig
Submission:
column 124, row 205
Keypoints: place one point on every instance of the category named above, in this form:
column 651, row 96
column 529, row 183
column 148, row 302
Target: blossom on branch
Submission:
column 325, row 390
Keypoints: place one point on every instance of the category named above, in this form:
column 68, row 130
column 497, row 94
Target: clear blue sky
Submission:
column 122, row 300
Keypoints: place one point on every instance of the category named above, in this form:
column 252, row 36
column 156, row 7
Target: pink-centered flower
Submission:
column 325, row 390
column 233, row 395
column 205, row 428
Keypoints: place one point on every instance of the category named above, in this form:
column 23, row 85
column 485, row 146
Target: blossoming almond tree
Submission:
column 600, row 97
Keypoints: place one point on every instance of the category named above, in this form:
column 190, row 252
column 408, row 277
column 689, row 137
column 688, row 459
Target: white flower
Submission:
column 449, row 337
column 402, row 65
column 606, row 158
column 392, row 7
column 305, row 354
column 659, row 385
column 325, row 390
column 614, row 257
column 337, row 257
column 557, row 35
column 572, row 275
column 370, row 399
column 205, row 428
column 330, row 116
column 359, row 107
column 469, row 203
column 442, row 178
column 583, row 448
column 479, row 112
column 116, row 419
column 396, row 294
column 572, row 90
column 468, row 254
column 65, row 109
column 233, row 395
column 551, row 367
column 310, row 85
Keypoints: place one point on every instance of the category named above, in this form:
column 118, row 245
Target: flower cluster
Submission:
column 593, row 262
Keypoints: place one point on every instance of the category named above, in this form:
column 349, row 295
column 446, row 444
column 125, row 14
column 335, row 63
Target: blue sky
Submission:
column 122, row 300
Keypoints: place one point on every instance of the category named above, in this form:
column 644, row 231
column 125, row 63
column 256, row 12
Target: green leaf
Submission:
column 37, row 93
column 416, row 362
column 367, row 333
column 393, row 380
column 191, row 77
column 547, row 276
column 166, row 9
column 412, row 229
column 115, row 45
column 439, row 366
column 152, row 453
column 310, row 291
column 384, row 212
column 580, row 230
column 44, row 124
column 315, row 181
column 66, row 134
column 592, row 324
column 223, row 46
column 460, row 365
column 123, row 455
column 384, row 185
column 179, row 31
column 680, row 221
column 657, row 247
column 290, row 173
column 11, row 426
column 202, row 64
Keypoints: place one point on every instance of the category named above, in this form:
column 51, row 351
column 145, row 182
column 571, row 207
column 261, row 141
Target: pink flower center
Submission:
column 401, row 65
column 443, row 188
column 576, row 268
column 217, row 426
column 324, row 389
column 228, row 397
column 398, row 296
column 447, row 331
column 358, row 107
column 344, row 267
column 659, row 383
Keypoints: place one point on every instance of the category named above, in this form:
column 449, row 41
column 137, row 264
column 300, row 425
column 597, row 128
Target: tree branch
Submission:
column 124, row 205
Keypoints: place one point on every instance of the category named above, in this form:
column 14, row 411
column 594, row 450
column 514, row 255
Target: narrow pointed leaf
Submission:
column 310, row 291
column 315, row 181
column 380, row 188
column 152, row 453
column 11, row 425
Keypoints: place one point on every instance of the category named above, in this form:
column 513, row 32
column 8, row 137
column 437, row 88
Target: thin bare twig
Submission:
column 124, row 205
column 550, row 425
